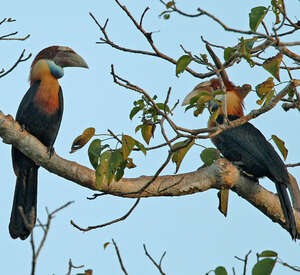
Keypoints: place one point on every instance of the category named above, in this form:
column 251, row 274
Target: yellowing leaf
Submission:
column 127, row 145
column 256, row 16
column 170, row 4
column 147, row 132
column 223, row 195
column 265, row 87
column 130, row 163
column 272, row 65
column 179, row 155
column 83, row 139
column 281, row 146
column 103, row 172
column 182, row 63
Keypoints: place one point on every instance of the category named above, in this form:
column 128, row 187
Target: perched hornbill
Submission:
column 40, row 113
column 246, row 146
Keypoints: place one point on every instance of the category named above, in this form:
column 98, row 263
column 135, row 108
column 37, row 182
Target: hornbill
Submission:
column 246, row 146
column 40, row 113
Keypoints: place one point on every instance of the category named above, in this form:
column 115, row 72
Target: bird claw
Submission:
column 50, row 151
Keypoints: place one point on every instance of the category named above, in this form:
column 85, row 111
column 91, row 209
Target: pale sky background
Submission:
column 195, row 235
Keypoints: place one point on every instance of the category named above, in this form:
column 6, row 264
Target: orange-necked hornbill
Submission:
column 246, row 146
column 40, row 113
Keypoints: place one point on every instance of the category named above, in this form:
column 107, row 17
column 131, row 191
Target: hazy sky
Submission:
column 195, row 235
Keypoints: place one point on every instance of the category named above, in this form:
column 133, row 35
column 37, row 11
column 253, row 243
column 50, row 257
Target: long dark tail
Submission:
column 23, row 214
column 287, row 209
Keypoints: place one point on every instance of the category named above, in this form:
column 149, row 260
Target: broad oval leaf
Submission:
column 209, row 155
column 141, row 147
column 127, row 145
column 265, row 87
column 94, row 152
column 272, row 65
column 220, row 270
column 83, row 139
column 268, row 253
column 182, row 63
column 229, row 53
column 256, row 16
column 264, row 267
column 134, row 111
column 179, row 155
column 281, row 146
column 147, row 132
column 103, row 172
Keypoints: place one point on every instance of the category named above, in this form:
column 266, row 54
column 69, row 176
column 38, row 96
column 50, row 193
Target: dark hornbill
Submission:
column 40, row 113
column 246, row 146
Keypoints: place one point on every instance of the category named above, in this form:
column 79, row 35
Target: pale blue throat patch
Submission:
column 55, row 70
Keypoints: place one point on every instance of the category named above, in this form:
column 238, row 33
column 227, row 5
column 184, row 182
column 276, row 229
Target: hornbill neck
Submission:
column 45, row 71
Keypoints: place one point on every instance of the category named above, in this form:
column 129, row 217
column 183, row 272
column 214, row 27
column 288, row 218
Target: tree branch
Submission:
column 215, row 176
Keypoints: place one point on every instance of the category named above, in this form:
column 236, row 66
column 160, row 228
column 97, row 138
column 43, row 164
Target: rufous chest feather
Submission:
column 47, row 95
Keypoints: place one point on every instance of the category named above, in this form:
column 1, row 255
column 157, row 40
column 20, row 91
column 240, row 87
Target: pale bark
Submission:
column 222, row 174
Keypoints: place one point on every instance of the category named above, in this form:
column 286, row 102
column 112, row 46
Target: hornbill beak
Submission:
column 66, row 57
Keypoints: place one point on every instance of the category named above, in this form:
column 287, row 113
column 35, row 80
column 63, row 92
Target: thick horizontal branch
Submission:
column 221, row 173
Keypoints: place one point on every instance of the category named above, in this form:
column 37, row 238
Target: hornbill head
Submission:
column 53, row 59
column 61, row 56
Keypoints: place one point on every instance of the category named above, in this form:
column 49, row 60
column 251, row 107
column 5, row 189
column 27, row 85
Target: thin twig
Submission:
column 73, row 266
column 119, row 257
column 108, row 223
column 36, row 253
column 158, row 266
column 20, row 59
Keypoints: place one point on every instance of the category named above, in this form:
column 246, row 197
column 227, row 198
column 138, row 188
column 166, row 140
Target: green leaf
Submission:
column 179, row 155
column 269, row 97
column 249, row 43
column 281, row 146
column 268, row 253
column 147, row 132
column 272, row 65
column 167, row 16
column 141, row 147
column 263, row 267
column 170, row 4
column 256, row 16
column 209, row 155
column 134, row 111
column 94, row 152
column 163, row 107
column 182, row 63
column 115, row 160
column 229, row 53
column 127, row 145
column 105, row 245
column 220, row 270
column 83, row 139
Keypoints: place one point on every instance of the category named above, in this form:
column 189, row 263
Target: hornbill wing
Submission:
column 246, row 144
